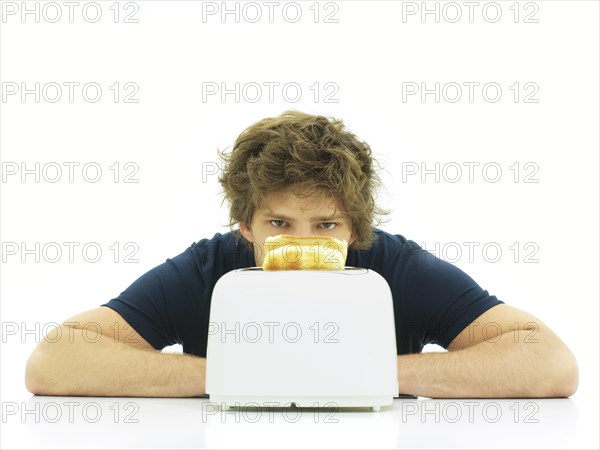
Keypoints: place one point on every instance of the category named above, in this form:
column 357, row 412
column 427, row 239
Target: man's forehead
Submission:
column 291, row 204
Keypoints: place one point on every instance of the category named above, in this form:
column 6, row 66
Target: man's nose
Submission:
column 302, row 230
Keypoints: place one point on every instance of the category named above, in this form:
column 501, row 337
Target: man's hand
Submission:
column 504, row 353
column 97, row 353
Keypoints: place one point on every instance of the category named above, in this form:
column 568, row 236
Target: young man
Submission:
column 305, row 175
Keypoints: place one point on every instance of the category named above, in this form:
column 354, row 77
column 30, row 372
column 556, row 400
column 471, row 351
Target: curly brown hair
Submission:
column 311, row 154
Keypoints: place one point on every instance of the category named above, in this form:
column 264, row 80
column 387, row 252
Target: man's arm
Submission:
column 97, row 353
column 504, row 353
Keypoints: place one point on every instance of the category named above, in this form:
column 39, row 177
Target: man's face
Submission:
column 285, row 213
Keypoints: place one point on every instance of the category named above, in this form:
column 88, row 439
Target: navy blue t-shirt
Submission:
column 433, row 300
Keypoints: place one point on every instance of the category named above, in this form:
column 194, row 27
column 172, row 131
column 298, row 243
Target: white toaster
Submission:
column 302, row 337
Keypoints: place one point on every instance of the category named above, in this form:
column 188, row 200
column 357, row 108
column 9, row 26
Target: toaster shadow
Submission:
column 307, row 409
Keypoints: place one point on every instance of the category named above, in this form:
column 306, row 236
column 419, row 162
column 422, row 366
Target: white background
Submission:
column 171, row 134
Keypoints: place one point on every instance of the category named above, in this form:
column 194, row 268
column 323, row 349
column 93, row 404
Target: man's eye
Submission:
column 278, row 223
column 328, row 225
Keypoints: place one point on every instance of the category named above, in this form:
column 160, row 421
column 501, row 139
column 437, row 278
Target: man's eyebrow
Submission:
column 329, row 218
column 279, row 216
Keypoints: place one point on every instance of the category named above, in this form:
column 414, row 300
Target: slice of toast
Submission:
column 285, row 252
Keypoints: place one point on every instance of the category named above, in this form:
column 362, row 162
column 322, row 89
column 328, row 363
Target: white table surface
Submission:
column 91, row 422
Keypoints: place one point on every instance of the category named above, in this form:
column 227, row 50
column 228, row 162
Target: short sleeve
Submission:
column 433, row 299
column 164, row 303
column 170, row 304
column 443, row 299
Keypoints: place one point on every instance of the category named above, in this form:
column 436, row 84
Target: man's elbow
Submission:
column 36, row 374
column 33, row 375
column 566, row 380
column 569, row 385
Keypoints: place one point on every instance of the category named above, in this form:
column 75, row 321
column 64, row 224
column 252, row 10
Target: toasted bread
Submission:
column 285, row 252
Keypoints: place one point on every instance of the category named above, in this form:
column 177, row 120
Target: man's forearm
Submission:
column 506, row 367
column 99, row 366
